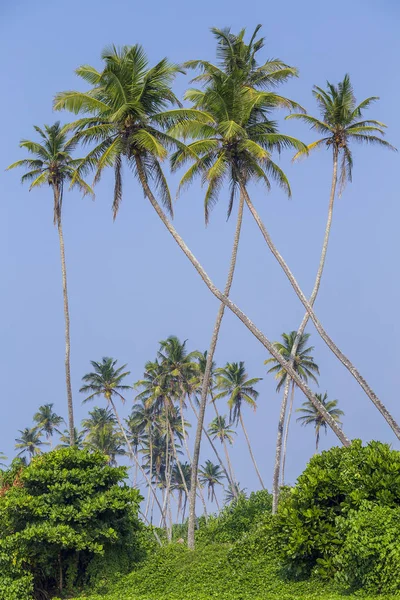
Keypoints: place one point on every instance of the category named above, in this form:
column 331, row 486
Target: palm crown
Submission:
column 341, row 123
column 127, row 116
column 47, row 420
column 53, row 163
column 106, row 380
column 220, row 428
column 303, row 361
column 234, row 384
column 310, row 415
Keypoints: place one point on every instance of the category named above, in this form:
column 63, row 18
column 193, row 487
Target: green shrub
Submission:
column 370, row 556
column 334, row 485
column 59, row 512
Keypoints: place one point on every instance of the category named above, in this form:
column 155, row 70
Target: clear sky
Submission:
column 129, row 284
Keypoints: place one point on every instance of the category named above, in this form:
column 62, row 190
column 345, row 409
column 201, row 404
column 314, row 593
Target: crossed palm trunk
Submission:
column 57, row 204
column 300, row 331
column 247, row 322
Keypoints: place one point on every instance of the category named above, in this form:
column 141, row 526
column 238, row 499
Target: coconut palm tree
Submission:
column 220, row 429
column 304, row 364
column 234, row 384
column 211, row 475
column 65, row 440
column 131, row 126
column 2, row 458
column 47, row 420
column 233, row 494
column 104, row 439
column 30, row 442
column 52, row 164
column 181, row 485
column 310, row 416
column 98, row 419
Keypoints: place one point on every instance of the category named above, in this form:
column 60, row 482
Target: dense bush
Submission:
column 236, row 518
column 334, row 485
column 370, row 556
column 61, row 511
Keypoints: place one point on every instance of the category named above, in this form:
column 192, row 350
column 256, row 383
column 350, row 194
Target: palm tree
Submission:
column 303, row 363
column 180, row 482
column 134, row 130
column 29, row 442
column 47, row 420
column 65, row 440
column 310, row 416
column 104, row 439
column 233, row 493
column 54, row 165
column 2, row 457
column 219, row 428
column 98, row 419
column 234, row 384
column 211, row 475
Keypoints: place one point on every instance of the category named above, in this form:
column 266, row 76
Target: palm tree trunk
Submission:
column 151, row 473
column 221, row 462
column 251, row 451
column 133, row 455
column 178, row 464
column 285, row 440
column 216, row 501
column 300, row 331
column 232, row 475
column 317, row 440
column 329, row 342
column 239, row 313
column 57, row 203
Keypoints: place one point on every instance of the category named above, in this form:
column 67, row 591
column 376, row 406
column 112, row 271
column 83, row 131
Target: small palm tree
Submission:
column 104, row 439
column 30, row 442
column 47, row 420
column 180, row 482
column 65, row 439
column 2, row 458
column 54, row 165
column 220, row 429
column 211, row 475
column 233, row 493
column 293, row 348
column 234, row 384
column 98, row 419
column 310, row 416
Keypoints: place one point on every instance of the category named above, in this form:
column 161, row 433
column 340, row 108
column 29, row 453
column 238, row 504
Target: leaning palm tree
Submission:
column 126, row 121
column 220, row 429
column 233, row 383
column 52, row 164
column 30, row 442
column 211, row 475
column 342, row 123
column 310, row 416
column 47, row 420
column 304, row 364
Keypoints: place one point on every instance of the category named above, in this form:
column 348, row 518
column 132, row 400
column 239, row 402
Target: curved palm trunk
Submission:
column 57, row 204
column 221, row 462
column 251, row 451
column 133, row 455
column 329, row 342
column 239, row 313
column 207, row 375
column 285, row 440
column 300, row 331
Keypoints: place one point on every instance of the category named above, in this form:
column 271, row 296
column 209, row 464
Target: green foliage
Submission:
column 237, row 518
column 63, row 509
column 370, row 556
column 333, row 486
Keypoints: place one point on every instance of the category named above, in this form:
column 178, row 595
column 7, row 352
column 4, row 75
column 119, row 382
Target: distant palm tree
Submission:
column 293, row 348
column 310, row 416
column 180, row 482
column 232, row 494
column 104, row 439
column 98, row 418
column 2, row 457
column 54, row 165
column 211, row 475
column 47, row 420
column 30, row 442
column 65, row 440
column 219, row 428
column 234, row 384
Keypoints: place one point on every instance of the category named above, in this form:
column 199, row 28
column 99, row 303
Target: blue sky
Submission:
column 129, row 284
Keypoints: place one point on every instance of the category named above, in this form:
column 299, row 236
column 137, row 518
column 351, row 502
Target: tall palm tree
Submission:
column 310, row 416
column 234, row 384
column 341, row 124
column 52, row 164
column 30, row 442
column 65, row 440
column 47, row 420
column 127, row 121
column 220, row 429
column 211, row 475
column 304, row 364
